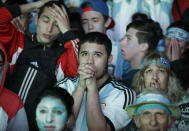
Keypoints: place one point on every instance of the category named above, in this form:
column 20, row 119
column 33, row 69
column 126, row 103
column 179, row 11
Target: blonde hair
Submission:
column 174, row 89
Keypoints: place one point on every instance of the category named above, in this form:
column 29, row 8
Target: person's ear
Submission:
column 108, row 22
column 110, row 59
column 144, row 47
column 136, row 121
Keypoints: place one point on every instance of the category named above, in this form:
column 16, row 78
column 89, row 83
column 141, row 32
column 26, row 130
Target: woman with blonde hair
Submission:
column 156, row 73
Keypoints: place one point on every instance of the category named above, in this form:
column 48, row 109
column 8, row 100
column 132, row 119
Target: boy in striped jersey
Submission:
column 99, row 100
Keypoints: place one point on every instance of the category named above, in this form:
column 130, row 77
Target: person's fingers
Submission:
column 168, row 52
column 157, row 84
column 90, row 67
column 53, row 13
column 18, row 25
column 57, row 14
column 65, row 12
column 85, row 70
column 59, row 10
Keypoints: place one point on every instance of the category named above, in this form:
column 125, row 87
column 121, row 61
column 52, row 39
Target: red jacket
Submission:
column 13, row 41
column 11, row 103
column 183, row 4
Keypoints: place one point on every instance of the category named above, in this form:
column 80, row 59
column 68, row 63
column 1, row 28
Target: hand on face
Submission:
column 155, row 84
column 86, row 74
column 173, row 52
column 61, row 17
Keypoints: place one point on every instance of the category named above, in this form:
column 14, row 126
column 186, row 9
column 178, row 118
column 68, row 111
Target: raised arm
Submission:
column 95, row 117
column 33, row 6
column 78, row 95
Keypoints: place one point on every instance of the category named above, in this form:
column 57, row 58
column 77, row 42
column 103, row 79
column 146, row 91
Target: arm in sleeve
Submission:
column 94, row 111
column 68, row 61
column 115, row 109
column 69, row 35
column 19, row 122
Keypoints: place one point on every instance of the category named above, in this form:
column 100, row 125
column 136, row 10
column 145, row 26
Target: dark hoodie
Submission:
column 12, row 112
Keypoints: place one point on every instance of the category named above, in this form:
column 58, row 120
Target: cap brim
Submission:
column 175, row 111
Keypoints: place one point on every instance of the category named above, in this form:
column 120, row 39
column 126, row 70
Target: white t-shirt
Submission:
column 114, row 98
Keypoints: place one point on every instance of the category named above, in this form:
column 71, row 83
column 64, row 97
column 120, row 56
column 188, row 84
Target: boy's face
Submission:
column 95, row 54
column 93, row 21
column 51, row 114
column 130, row 45
column 47, row 28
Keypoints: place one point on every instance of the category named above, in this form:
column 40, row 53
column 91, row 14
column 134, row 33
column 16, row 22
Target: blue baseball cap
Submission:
column 99, row 6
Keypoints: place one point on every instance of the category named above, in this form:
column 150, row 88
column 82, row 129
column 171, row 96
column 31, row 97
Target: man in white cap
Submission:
column 153, row 111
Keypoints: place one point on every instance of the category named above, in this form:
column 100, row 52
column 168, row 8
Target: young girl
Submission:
column 54, row 107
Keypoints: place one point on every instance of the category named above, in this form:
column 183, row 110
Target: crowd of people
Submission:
column 80, row 71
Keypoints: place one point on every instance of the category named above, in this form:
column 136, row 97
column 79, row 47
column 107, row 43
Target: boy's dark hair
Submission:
column 61, row 94
column 75, row 22
column 139, row 16
column 50, row 4
column 97, row 38
column 148, row 31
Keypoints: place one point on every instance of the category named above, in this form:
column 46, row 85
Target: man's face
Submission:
column 153, row 120
column 156, row 77
column 47, row 28
column 95, row 54
column 172, row 40
column 93, row 21
column 130, row 45
column 51, row 114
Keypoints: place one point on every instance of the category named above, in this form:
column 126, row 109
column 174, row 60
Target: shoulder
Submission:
column 67, row 80
column 118, row 90
column 11, row 98
column 120, row 86
column 11, row 102
column 70, row 84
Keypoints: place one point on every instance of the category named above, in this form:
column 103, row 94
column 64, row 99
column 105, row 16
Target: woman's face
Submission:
column 51, row 114
column 156, row 76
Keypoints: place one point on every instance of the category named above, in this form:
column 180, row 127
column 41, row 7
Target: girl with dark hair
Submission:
column 54, row 107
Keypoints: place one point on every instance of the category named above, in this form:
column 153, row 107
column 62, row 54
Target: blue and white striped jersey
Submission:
column 114, row 98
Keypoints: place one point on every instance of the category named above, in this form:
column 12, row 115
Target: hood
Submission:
column 4, row 69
